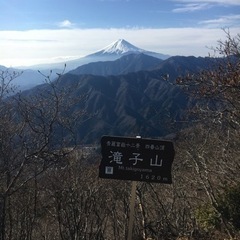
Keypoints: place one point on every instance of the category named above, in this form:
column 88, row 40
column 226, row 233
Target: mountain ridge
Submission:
column 127, row 63
column 137, row 103
column 140, row 103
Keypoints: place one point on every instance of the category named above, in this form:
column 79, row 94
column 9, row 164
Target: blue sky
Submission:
column 34, row 31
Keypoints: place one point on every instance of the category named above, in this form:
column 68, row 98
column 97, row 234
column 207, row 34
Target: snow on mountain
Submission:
column 122, row 47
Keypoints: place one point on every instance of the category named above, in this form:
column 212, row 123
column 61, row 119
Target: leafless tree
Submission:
column 32, row 130
column 210, row 146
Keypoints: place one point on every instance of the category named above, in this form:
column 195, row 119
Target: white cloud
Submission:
column 191, row 7
column 48, row 46
column 66, row 24
column 196, row 5
column 222, row 22
column 222, row 2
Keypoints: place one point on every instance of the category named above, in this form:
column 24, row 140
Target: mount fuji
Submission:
column 111, row 52
column 122, row 47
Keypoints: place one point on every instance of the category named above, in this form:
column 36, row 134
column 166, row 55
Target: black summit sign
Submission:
column 136, row 159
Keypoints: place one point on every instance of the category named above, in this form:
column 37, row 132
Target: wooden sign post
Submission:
column 132, row 206
column 136, row 159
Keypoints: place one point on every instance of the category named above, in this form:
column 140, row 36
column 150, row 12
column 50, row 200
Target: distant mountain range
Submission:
column 172, row 66
column 30, row 76
column 124, row 102
column 132, row 95
column 128, row 63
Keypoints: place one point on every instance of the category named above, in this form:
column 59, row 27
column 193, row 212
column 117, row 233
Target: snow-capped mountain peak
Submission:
column 121, row 46
column 118, row 48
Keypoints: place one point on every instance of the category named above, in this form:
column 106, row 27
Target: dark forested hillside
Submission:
column 137, row 103
column 144, row 102
column 123, row 65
